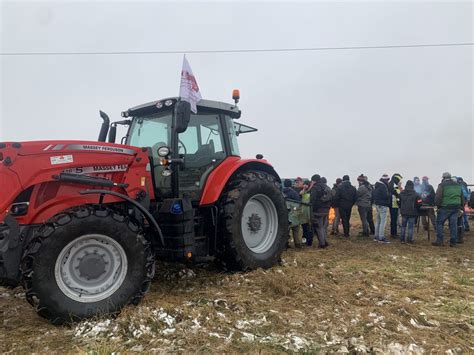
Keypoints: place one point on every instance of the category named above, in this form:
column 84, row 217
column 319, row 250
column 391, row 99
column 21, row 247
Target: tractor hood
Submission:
column 23, row 164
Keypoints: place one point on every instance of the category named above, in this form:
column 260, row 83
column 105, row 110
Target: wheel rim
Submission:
column 259, row 223
column 91, row 268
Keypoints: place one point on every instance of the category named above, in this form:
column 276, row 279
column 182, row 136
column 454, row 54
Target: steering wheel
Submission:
column 182, row 145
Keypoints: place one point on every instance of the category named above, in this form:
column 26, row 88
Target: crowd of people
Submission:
column 415, row 202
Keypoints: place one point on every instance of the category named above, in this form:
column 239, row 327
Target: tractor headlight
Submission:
column 19, row 209
column 163, row 151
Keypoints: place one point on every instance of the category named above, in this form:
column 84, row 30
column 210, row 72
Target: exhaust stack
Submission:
column 104, row 129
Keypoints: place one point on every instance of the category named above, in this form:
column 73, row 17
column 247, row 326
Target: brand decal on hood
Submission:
column 100, row 148
column 96, row 169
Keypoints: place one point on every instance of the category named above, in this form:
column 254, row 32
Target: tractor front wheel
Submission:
column 254, row 221
column 86, row 262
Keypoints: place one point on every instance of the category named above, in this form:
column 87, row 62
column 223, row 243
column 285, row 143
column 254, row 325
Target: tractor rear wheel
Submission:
column 254, row 221
column 86, row 262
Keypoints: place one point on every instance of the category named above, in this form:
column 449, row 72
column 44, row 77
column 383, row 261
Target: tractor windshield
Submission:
column 152, row 131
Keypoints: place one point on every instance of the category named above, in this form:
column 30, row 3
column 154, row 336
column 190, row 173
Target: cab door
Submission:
column 202, row 147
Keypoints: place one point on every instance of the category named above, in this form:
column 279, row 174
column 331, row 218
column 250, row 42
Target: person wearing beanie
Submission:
column 337, row 215
column 320, row 198
column 316, row 178
column 346, row 196
column 449, row 200
column 410, row 203
column 428, row 197
column 364, row 203
column 382, row 201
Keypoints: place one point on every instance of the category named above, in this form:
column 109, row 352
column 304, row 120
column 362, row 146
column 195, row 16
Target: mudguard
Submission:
column 219, row 177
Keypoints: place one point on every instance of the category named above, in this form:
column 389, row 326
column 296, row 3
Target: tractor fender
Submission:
column 219, row 177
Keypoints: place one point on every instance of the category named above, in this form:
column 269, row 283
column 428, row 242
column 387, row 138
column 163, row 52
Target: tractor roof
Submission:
column 164, row 104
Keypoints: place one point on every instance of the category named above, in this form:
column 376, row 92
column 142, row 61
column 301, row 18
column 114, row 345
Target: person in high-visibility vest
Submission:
column 305, row 198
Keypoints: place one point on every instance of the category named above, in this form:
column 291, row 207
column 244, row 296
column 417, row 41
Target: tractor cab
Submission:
column 184, row 147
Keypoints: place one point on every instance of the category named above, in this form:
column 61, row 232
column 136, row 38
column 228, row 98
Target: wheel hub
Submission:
column 259, row 223
column 255, row 223
column 92, row 266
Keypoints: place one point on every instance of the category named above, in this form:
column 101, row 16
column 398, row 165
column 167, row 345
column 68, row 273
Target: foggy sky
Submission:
column 405, row 110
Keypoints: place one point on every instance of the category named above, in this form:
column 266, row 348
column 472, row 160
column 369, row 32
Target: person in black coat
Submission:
column 346, row 197
column 320, row 199
column 382, row 201
column 289, row 192
column 410, row 202
column 428, row 198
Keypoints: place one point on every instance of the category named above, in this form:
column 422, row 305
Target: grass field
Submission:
column 355, row 296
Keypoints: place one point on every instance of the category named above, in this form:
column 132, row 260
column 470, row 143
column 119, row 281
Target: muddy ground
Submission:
column 355, row 296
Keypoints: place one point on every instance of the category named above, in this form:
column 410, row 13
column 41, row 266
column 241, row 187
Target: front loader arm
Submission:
column 37, row 165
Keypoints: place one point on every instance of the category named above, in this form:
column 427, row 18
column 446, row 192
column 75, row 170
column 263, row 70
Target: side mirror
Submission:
column 182, row 116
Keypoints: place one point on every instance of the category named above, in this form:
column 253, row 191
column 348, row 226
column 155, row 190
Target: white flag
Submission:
column 189, row 89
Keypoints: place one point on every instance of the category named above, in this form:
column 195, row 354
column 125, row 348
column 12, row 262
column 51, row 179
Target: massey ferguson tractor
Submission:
column 81, row 222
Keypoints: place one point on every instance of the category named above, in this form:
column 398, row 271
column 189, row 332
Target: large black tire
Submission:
column 44, row 285
column 236, row 253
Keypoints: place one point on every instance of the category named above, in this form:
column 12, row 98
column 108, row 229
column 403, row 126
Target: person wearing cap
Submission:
column 364, row 203
column 410, row 202
column 337, row 217
column 382, row 201
column 346, row 196
column 428, row 198
column 394, row 187
column 321, row 202
column 449, row 200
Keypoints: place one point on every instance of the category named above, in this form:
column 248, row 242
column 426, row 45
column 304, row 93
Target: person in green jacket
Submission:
column 449, row 200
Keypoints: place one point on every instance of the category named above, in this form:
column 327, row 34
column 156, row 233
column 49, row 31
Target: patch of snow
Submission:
column 299, row 342
column 90, row 329
column 137, row 348
column 168, row 331
column 164, row 317
column 247, row 337
column 241, row 324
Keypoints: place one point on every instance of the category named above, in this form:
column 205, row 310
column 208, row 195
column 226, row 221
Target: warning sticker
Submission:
column 61, row 159
column 96, row 169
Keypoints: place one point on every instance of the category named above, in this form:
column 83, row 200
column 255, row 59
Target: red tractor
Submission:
column 81, row 222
